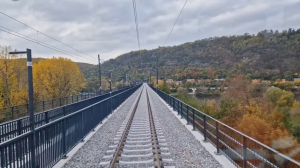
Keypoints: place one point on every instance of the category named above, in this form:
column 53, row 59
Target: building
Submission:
column 255, row 80
column 220, row 80
column 169, row 80
column 178, row 82
column 190, row 80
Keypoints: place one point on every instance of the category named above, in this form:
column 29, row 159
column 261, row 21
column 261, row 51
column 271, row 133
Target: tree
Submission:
column 279, row 97
column 297, row 83
column 57, row 77
column 13, row 75
column 260, row 130
column 296, row 108
column 288, row 75
column 238, row 88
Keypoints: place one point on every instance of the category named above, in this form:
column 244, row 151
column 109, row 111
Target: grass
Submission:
column 295, row 120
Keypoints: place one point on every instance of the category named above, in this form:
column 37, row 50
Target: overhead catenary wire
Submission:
column 45, row 34
column 175, row 22
column 136, row 27
column 28, row 39
column 39, row 42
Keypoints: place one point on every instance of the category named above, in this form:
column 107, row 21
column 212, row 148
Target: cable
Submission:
column 44, row 34
column 175, row 22
column 36, row 42
column 136, row 27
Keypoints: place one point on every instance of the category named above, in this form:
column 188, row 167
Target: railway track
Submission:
column 139, row 141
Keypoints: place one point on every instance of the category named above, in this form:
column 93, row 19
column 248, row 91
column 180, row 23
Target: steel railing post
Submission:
column 181, row 109
column 173, row 103
column 64, row 147
column 94, row 118
column 217, row 138
column 187, row 115
column 46, row 117
column 204, row 128
column 244, row 152
column 178, row 110
column 82, row 129
column 19, row 125
column 194, row 120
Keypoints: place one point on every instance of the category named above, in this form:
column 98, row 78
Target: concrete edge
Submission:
column 207, row 145
column 70, row 154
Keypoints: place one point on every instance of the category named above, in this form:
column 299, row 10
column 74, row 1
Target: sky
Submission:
column 107, row 27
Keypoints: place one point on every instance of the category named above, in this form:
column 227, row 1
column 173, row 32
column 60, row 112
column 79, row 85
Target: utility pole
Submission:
column 111, row 110
column 31, row 114
column 99, row 61
column 126, row 79
column 110, row 80
column 156, row 73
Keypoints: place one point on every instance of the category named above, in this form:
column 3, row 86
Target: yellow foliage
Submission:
column 160, row 83
column 297, row 83
column 57, row 77
column 153, row 82
column 260, row 130
column 13, row 79
column 296, row 108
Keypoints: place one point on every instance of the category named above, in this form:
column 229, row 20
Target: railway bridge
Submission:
column 137, row 126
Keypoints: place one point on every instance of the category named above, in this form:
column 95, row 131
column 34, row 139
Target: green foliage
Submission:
column 279, row 98
column 267, row 56
column 165, row 89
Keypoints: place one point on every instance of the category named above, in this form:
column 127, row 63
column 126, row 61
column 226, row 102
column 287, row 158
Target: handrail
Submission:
column 54, row 139
column 41, row 104
column 19, row 126
column 226, row 126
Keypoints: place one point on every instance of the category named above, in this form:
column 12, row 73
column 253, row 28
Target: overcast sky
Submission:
column 107, row 26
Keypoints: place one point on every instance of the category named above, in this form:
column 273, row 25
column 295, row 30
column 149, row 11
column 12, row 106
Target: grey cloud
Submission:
column 107, row 27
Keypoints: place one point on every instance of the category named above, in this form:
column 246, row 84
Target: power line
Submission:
column 44, row 34
column 175, row 22
column 34, row 41
column 39, row 42
column 136, row 27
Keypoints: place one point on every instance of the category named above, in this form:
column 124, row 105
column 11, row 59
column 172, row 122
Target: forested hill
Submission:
column 268, row 55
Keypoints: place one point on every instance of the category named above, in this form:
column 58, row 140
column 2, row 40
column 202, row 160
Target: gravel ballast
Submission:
column 186, row 151
column 94, row 149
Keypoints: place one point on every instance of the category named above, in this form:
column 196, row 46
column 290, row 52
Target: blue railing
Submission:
column 55, row 139
column 20, row 126
column 242, row 150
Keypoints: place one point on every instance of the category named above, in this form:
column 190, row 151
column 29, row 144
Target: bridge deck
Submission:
column 185, row 149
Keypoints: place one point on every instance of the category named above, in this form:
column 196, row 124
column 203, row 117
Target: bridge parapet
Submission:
column 240, row 149
column 54, row 139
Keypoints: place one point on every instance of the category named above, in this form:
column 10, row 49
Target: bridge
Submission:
column 136, row 126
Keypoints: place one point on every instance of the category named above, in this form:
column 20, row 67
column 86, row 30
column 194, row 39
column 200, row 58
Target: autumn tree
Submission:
column 260, row 130
column 13, row 79
column 57, row 77
column 238, row 89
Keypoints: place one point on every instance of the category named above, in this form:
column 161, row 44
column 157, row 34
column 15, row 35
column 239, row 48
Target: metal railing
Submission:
column 15, row 112
column 20, row 126
column 55, row 139
column 242, row 150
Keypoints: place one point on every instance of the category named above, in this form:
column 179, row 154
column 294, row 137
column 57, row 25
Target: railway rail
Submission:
column 139, row 141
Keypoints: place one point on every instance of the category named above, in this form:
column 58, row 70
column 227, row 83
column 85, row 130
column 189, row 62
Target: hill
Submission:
column 269, row 55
